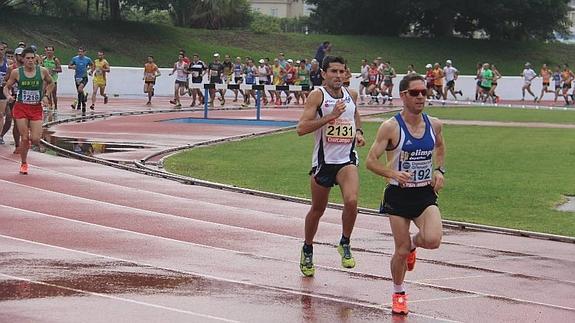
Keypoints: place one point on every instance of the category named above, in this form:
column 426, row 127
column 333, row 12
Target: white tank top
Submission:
column 180, row 74
column 262, row 73
column 335, row 141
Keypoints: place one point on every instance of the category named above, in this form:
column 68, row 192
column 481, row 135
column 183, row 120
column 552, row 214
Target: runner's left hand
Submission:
column 45, row 101
column 437, row 181
column 360, row 141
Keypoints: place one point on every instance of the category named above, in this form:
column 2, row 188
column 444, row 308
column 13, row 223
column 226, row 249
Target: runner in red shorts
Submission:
column 34, row 85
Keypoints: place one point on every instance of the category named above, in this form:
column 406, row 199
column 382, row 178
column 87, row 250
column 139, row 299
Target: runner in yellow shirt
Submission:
column 546, row 74
column 151, row 71
column 100, row 69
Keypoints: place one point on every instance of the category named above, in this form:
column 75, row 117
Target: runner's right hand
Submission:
column 402, row 177
column 339, row 109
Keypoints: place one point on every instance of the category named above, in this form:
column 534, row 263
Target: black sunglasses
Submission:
column 416, row 92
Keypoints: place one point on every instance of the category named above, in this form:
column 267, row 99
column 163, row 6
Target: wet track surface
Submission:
column 86, row 242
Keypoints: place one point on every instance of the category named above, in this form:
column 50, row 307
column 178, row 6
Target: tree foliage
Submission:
column 498, row 19
column 211, row 14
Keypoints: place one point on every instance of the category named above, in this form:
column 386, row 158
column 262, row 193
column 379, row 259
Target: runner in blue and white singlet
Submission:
column 412, row 143
column 414, row 155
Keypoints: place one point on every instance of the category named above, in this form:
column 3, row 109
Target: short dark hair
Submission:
column 151, row 56
column 406, row 80
column 9, row 51
column 49, row 47
column 28, row 50
column 331, row 59
column 326, row 43
column 82, row 48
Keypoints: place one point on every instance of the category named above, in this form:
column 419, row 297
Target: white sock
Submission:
column 398, row 288
column 413, row 246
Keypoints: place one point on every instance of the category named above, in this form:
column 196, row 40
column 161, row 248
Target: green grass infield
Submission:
column 502, row 114
column 501, row 176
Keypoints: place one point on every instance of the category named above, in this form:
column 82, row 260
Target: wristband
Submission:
column 441, row 170
column 359, row 130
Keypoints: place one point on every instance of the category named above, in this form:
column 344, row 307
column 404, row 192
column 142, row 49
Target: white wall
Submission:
column 127, row 81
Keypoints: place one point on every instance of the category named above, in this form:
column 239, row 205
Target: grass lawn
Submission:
column 498, row 114
column 129, row 43
column 509, row 177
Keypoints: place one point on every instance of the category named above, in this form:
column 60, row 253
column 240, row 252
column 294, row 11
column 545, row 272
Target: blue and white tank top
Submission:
column 237, row 70
column 250, row 73
column 335, row 141
column 414, row 155
column 3, row 70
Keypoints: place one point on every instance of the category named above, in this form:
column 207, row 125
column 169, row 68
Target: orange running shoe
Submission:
column 24, row 169
column 399, row 305
column 411, row 260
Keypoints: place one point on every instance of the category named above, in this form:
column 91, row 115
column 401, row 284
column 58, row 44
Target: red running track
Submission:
column 85, row 242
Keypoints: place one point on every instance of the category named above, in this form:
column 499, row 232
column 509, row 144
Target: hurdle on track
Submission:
column 255, row 87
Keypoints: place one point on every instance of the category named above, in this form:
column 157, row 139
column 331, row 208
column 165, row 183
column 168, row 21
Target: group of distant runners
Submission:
column 279, row 71
column 29, row 82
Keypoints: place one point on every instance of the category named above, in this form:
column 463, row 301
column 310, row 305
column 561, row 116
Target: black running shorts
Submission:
column 325, row 175
column 407, row 202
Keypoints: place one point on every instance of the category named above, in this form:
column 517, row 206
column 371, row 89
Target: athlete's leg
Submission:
column 95, row 87
column 176, row 93
column 402, row 242
column 348, row 180
column 319, row 199
column 24, row 131
column 543, row 91
column 54, row 96
column 530, row 92
column 523, row 91
column 2, row 113
column 7, row 120
column 430, row 228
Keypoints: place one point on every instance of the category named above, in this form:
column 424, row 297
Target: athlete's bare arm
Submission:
column 14, row 75
column 58, row 67
column 308, row 121
column 359, row 139
column 48, row 85
column 386, row 138
column 438, row 155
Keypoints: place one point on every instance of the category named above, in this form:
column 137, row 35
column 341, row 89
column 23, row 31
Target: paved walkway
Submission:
column 85, row 242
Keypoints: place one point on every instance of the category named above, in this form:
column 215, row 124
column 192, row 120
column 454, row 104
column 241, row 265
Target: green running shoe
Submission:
column 306, row 264
column 347, row 260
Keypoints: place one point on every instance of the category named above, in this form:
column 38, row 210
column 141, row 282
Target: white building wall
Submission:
column 127, row 81
column 279, row 8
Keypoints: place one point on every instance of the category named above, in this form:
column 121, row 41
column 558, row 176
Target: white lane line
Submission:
column 155, row 213
column 184, row 218
column 122, row 299
column 502, row 297
column 439, row 299
column 487, row 259
column 420, row 283
column 262, row 213
column 461, row 277
column 226, row 280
